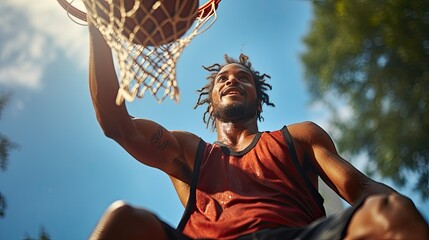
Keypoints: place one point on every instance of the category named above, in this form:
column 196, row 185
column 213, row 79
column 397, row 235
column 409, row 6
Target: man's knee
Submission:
column 123, row 221
column 119, row 209
column 388, row 216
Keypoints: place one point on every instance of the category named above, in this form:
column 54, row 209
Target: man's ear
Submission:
column 210, row 109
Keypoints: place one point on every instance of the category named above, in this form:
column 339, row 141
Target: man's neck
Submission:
column 237, row 136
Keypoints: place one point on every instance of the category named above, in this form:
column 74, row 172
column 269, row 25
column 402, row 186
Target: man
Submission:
column 248, row 184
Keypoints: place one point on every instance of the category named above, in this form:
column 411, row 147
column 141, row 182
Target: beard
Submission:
column 235, row 112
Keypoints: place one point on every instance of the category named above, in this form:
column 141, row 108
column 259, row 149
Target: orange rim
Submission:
column 72, row 10
column 203, row 11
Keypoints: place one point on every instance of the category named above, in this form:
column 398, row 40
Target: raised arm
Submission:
column 340, row 175
column 145, row 140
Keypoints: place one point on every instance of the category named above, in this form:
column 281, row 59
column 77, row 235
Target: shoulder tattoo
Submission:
column 157, row 139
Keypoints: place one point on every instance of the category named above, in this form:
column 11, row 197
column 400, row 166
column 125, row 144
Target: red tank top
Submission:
column 237, row 193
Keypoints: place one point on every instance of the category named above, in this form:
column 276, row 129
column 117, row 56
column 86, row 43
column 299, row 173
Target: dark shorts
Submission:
column 172, row 233
column 333, row 227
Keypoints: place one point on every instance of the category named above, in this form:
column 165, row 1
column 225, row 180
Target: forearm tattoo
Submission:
column 157, row 140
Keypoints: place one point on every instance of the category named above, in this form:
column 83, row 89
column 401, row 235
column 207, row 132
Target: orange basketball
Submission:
column 153, row 22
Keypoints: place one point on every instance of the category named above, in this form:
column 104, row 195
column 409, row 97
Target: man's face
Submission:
column 234, row 95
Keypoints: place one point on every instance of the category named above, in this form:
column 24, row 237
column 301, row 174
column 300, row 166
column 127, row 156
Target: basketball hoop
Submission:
column 147, row 60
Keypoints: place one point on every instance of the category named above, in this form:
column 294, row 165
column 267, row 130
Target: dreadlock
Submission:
column 205, row 92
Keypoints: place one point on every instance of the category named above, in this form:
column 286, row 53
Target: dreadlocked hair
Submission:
column 205, row 92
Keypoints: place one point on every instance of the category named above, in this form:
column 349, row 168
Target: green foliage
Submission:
column 2, row 205
column 43, row 235
column 374, row 54
column 5, row 146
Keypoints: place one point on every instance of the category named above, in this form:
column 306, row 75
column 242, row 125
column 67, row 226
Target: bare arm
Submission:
column 104, row 85
column 340, row 175
column 145, row 140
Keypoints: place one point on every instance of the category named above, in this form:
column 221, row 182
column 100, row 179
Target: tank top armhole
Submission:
column 192, row 198
column 288, row 139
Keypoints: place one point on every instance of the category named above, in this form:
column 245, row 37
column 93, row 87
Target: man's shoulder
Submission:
column 305, row 131
column 185, row 134
column 304, row 126
column 186, row 139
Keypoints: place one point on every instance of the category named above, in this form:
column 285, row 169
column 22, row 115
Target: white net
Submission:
column 146, row 48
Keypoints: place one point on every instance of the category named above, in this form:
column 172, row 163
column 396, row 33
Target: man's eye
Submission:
column 221, row 79
column 243, row 78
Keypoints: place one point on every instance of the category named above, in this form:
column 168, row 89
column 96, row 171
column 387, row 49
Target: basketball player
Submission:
column 248, row 184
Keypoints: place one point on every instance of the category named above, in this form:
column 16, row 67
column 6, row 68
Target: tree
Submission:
column 374, row 56
column 43, row 235
column 5, row 146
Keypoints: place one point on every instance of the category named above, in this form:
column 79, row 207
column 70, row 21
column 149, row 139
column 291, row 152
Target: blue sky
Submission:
column 66, row 172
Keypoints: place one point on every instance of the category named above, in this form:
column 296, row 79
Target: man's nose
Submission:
column 231, row 80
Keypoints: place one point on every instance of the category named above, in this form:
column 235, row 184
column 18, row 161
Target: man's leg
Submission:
column 387, row 217
column 122, row 221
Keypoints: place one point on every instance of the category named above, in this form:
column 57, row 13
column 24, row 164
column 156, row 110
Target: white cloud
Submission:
column 31, row 34
column 22, row 74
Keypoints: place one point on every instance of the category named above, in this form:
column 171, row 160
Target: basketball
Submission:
column 150, row 22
